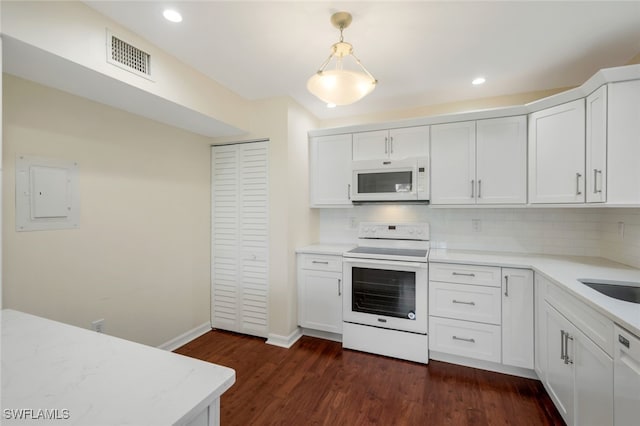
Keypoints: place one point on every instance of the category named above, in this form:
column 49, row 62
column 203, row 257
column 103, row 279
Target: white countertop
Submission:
column 100, row 379
column 564, row 270
column 329, row 249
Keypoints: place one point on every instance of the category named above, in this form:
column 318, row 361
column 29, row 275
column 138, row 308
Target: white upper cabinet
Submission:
column 394, row 144
column 596, row 146
column 557, row 154
column 623, row 141
column 330, row 171
column 453, row 163
column 501, row 160
column 479, row 162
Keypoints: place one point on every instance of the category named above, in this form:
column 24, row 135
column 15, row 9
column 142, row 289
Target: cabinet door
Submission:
column 593, row 382
column 540, row 332
column 320, row 300
column 453, row 163
column 330, row 171
column 596, row 140
column 623, row 142
column 409, row 142
column 559, row 377
column 371, row 145
column 517, row 317
column 557, row 154
column 501, row 160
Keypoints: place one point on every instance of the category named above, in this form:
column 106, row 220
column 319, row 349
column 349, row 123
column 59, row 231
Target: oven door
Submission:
column 385, row 180
column 387, row 294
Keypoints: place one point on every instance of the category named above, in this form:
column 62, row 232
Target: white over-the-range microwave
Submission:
column 390, row 180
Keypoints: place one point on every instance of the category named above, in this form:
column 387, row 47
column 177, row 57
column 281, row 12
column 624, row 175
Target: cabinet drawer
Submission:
column 469, row 339
column 465, row 274
column 592, row 323
column 319, row 262
column 465, row 302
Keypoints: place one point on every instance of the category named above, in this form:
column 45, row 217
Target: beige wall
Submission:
column 140, row 258
column 448, row 108
column 634, row 60
column 77, row 33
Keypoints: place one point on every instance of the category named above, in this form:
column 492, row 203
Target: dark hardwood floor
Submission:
column 316, row 382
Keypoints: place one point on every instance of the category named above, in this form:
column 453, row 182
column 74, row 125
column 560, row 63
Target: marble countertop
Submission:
column 100, row 379
column 564, row 270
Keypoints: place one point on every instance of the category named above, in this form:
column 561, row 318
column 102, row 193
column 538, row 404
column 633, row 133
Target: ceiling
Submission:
column 422, row 53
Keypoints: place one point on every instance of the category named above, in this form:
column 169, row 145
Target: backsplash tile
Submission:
column 622, row 247
column 565, row 231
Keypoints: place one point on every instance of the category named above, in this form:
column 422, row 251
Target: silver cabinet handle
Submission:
column 348, row 191
column 506, row 285
column 391, row 145
column 463, row 303
column 562, row 341
column 464, row 275
column 567, row 337
column 322, row 262
column 386, row 145
column 479, row 188
column 339, row 287
column 578, row 176
column 595, row 181
column 472, row 188
column 464, row 339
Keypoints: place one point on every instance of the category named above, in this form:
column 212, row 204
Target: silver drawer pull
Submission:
column 321, row 262
column 464, row 339
column 578, row 176
column 595, row 180
column 464, row 303
column 464, row 275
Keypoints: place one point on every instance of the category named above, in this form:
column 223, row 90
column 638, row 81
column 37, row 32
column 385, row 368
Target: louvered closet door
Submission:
column 239, row 238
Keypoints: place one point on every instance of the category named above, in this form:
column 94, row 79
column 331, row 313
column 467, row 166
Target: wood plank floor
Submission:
column 316, row 382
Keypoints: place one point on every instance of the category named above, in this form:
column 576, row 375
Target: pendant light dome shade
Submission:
column 340, row 86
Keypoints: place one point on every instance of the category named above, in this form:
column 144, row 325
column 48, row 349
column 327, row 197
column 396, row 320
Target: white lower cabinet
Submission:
column 465, row 338
column 577, row 373
column 320, row 292
column 482, row 312
column 517, row 317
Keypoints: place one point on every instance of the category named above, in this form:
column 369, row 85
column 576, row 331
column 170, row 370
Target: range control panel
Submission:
column 394, row 231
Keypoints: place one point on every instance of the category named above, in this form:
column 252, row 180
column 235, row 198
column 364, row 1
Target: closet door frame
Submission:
column 239, row 259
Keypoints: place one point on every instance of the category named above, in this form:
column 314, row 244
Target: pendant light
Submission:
column 340, row 86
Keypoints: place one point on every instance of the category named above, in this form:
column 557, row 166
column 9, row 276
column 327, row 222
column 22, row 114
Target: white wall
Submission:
column 140, row 258
column 563, row 231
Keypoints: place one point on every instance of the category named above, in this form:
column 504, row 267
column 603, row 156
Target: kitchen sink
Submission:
column 622, row 290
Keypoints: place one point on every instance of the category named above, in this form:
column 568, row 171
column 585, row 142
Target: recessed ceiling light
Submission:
column 172, row 15
column 478, row 81
column 330, row 105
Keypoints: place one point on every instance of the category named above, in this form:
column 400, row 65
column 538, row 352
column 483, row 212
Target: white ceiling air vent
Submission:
column 128, row 57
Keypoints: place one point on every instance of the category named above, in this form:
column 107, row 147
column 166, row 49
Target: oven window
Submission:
column 382, row 292
column 385, row 182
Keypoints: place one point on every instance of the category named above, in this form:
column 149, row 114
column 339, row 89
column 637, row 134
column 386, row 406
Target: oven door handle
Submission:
column 387, row 264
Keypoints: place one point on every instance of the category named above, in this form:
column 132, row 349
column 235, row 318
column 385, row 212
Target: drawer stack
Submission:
column 465, row 310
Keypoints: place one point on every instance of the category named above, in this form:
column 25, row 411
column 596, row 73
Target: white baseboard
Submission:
column 186, row 337
column 483, row 365
column 284, row 341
